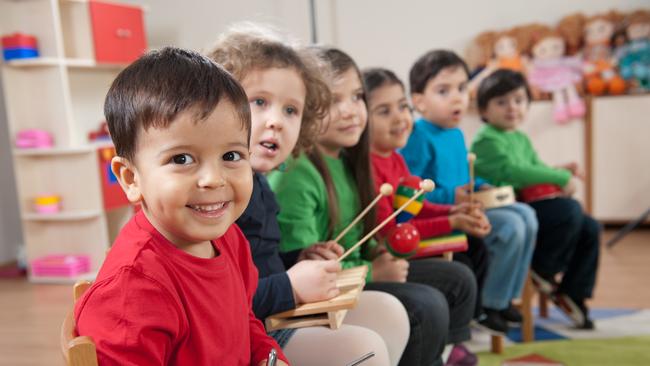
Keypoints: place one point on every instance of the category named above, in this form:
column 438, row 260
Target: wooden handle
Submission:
column 426, row 185
column 471, row 157
column 385, row 190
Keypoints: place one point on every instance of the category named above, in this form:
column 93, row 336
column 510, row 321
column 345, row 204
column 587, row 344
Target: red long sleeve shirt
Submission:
column 433, row 219
column 154, row 304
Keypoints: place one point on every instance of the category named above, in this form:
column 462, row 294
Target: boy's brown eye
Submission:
column 232, row 156
column 182, row 159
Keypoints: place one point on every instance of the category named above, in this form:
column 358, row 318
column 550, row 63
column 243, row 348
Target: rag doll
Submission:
column 552, row 71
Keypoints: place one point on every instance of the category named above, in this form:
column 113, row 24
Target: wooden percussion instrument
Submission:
column 496, row 197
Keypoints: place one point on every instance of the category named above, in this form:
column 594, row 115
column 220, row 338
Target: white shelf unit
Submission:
column 62, row 91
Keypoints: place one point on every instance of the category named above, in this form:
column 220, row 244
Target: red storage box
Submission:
column 118, row 32
column 19, row 40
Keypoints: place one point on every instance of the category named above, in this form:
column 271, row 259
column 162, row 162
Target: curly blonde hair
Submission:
column 246, row 47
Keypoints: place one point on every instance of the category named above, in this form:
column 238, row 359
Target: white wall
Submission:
column 195, row 24
column 393, row 34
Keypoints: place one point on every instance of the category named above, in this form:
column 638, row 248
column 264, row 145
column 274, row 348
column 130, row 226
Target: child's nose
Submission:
column 275, row 120
column 211, row 176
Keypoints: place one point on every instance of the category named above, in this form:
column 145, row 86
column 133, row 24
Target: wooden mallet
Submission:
column 385, row 190
column 471, row 158
column 426, row 185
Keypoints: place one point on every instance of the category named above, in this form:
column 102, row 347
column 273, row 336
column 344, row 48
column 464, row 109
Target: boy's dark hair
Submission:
column 357, row 157
column 377, row 77
column 429, row 65
column 160, row 85
column 498, row 83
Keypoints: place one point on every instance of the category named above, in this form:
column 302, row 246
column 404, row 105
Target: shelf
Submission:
column 76, row 215
column 89, row 276
column 68, row 62
column 85, row 149
column 92, row 64
column 54, row 151
column 34, row 62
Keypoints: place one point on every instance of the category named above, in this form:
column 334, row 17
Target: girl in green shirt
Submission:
column 568, row 239
column 320, row 192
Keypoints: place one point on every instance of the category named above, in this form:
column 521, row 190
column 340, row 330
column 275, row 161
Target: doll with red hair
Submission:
column 554, row 72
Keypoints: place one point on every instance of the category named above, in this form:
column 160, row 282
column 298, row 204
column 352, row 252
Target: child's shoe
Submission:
column 511, row 314
column 494, row 322
column 575, row 310
column 544, row 283
column 461, row 356
column 577, row 108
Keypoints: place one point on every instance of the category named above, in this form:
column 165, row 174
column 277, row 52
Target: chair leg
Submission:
column 543, row 306
column 528, row 324
column 497, row 344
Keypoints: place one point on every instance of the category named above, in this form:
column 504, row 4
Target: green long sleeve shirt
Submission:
column 508, row 158
column 303, row 218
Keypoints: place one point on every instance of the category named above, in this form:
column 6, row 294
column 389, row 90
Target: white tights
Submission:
column 378, row 323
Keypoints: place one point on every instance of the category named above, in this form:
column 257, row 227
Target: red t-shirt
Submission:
column 433, row 219
column 154, row 304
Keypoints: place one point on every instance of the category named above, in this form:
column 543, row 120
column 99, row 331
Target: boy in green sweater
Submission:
column 568, row 239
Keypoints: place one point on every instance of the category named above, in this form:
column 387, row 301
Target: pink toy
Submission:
column 60, row 265
column 34, row 138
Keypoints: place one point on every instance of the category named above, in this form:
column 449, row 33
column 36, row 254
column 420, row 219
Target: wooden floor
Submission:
column 31, row 314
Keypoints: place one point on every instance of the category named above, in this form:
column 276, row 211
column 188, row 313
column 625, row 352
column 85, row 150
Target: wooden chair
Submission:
column 524, row 305
column 77, row 350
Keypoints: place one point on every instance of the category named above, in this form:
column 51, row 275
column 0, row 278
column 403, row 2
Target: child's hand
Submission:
column 329, row 250
column 475, row 224
column 575, row 170
column 485, row 187
column 389, row 269
column 466, row 208
column 314, row 280
column 461, row 194
column 570, row 188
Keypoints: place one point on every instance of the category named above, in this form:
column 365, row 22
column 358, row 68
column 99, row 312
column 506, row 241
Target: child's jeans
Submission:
column 568, row 241
column 510, row 246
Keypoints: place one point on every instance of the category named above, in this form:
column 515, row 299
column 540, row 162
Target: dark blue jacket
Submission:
column 259, row 224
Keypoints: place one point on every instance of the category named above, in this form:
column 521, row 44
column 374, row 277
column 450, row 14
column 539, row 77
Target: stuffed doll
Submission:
column 503, row 50
column 498, row 50
column 552, row 71
column 634, row 57
column 594, row 36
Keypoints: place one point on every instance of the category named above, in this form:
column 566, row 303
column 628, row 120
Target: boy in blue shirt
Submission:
column 436, row 150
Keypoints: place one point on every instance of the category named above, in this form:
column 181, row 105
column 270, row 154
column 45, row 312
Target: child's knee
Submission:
column 511, row 233
column 592, row 227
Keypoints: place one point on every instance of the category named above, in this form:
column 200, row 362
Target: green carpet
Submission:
column 629, row 351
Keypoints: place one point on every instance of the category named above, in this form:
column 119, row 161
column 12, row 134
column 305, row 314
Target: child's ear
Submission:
column 127, row 175
column 418, row 101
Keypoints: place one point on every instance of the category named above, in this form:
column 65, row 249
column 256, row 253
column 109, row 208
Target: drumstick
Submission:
column 471, row 157
column 385, row 190
column 426, row 185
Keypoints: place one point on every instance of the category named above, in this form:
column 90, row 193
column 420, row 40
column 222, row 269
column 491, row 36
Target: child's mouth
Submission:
column 269, row 145
column 210, row 210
